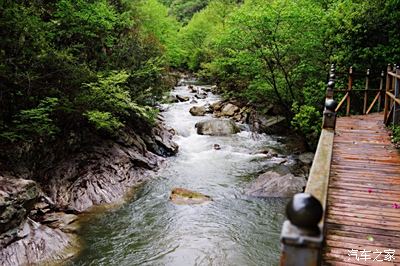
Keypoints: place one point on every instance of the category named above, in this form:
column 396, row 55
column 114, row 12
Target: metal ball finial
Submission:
column 330, row 105
column 304, row 211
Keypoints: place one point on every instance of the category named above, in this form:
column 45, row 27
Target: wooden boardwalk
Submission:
column 363, row 208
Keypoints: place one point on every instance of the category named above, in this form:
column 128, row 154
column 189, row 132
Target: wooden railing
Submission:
column 392, row 93
column 303, row 233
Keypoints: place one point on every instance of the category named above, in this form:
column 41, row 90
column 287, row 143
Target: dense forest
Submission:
column 101, row 64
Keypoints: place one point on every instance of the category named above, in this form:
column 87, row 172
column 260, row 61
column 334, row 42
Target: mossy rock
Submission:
column 186, row 196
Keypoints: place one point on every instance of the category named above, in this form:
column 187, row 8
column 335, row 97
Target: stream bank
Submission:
column 42, row 195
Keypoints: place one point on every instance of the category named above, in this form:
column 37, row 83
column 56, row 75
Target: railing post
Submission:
column 380, row 91
column 301, row 237
column 349, row 88
column 366, row 92
column 329, row 115
column 388, row 86
column 396, row 107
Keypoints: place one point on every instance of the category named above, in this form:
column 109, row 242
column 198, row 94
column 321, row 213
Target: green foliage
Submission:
column 201, row 30
column 308, row 121
column 395, row 133
column 33, row 123
column 273, row 49
column 155, row 20
column 103, row 61
column 104, row 121
column 185, row 9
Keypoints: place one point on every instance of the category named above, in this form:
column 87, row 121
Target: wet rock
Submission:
column 39, row 244
column 186, row 196
column 306, row 158
column 217, row 147
column 193, row 101
column 162, row 136
column 105, row 172
column 17, row 198
column 266, row 122
column 193, row 89
column 217, row 127
column 275, row 184
column 170, row 99
column 206, row 89
column 63, row 221
column 183, row 98
column 200, row 95
column 229, row 110
column 216, row 106
column 198, row 111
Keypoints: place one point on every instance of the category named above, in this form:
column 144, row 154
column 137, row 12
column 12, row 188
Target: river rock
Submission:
column 200, row 95
column 193, row 101
column 64, row 221
column 186, row 196
column 192, row 89
column 217, row 147
column 229, row 110
column 216, row 106
column 217, row 127
column 266, row 122
column 39, row 245
column 198, row 110
column 275, row 184
column 182, row 98
column 17, row 198
column 306, row 158
column 206, row 89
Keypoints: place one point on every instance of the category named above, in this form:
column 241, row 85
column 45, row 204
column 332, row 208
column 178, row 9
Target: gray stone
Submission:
column 200, row 95
column 183, row 98
column 217, row 127
column 306, row 158
column 17, row 198
column 274, row 184
column 198, row 111
column 229, row 110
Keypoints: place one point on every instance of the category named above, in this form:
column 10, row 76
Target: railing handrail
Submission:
column 302, row 238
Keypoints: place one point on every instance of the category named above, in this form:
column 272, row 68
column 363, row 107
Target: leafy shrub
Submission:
column 395, row 133
column 33, row 123
column 307, row 120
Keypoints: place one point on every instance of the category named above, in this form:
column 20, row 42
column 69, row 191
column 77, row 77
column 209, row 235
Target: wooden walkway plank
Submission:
column 363, row 205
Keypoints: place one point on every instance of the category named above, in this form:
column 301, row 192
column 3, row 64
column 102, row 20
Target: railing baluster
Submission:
column 380, row 91
column 365, row 92
column 396, row 107
column 349, row 87
column 387, row 100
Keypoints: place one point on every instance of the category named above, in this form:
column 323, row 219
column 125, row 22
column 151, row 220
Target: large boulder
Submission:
column 198, row 110
column 275, row 184
column 186, row 196
column 17, row 197
column 229, row 110
column 217, row 127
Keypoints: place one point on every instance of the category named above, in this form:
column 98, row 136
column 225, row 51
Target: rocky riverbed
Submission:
column 39, row 210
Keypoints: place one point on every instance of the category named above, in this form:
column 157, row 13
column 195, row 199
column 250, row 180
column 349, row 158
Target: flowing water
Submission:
column 231, row 230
